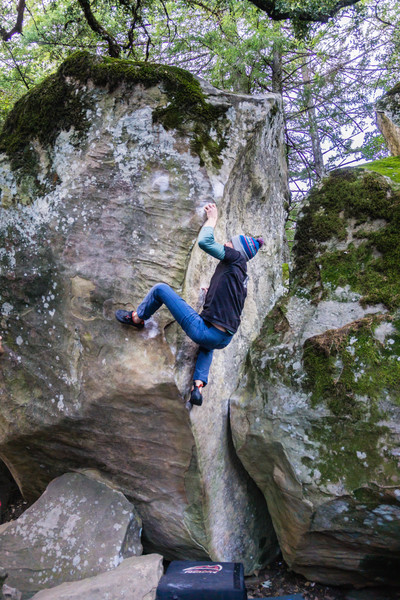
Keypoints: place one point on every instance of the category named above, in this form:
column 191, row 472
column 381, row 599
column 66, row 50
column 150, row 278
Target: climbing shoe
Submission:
column 126, row 317
column 195, row 395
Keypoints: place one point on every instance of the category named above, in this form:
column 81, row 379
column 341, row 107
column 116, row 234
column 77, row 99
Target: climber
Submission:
column 220, row 317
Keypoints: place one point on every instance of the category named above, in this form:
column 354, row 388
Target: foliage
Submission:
column 328, row 77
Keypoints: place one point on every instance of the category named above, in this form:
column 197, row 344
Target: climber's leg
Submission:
column 190, row 321
column 203, row 364
column 201, row 332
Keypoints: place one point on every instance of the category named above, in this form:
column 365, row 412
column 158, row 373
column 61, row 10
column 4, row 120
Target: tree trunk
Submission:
column 318, row 158
column 277, row 85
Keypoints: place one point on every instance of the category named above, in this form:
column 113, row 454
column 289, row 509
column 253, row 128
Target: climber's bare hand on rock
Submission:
column 211, row 212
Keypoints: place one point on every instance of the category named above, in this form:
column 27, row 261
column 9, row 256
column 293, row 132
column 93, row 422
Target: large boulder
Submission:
column 315, row 417
column 106, row 168
column 388, row 118
column 78, row 528
column 136, row 578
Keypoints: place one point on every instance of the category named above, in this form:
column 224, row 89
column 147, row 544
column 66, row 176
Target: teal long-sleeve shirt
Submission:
column 208, row 244
column 227, row 292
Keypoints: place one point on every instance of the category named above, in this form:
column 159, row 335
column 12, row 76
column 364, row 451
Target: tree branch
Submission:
column 114, row 48
column 16, row 65
column 382, row 20
column 6, row 35
column 307, row 15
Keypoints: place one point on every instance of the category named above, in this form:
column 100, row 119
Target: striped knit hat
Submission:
column 246, row 245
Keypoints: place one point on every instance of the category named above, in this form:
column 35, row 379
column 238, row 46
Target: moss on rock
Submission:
column 350, row 452
column 353, row 372
column 372, row 265
column 54, row 105
column 389, row 167
column 47, row 109
column 351, row 369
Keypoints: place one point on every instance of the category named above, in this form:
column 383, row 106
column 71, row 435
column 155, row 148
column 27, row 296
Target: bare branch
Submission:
column 16, row 65
column 7, row 35
column 114, row 48
column 382, row 20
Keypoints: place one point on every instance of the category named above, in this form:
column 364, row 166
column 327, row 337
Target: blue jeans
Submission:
column 205, row 335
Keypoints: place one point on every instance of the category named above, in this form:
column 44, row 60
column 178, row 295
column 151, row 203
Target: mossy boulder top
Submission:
column 66, row 101
column 320, row 394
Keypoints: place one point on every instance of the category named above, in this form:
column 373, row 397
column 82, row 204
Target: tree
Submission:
column 328, row 80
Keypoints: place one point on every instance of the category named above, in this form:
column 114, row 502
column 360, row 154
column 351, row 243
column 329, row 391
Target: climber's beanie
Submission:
column 246, row 245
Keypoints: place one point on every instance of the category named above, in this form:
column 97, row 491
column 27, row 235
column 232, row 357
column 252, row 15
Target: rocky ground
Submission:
column 274, row 581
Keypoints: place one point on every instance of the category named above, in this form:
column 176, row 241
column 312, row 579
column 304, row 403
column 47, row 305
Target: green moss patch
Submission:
column 372, row 265
column 54, row 105
column 348, row 364
column 351, row 372
column 390, row 167
column 351, row 453
column 40, row 115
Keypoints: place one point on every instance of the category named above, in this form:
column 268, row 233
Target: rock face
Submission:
column 315, row 419
column 106, row 168
column 78, row 528
column 388, row 119
column 135, row 579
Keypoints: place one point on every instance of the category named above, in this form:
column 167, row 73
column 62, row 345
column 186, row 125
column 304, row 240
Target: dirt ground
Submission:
column 277, row 580
column 14, row 510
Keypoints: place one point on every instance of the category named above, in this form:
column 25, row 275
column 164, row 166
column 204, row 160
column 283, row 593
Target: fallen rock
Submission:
column 10, row 593
column 134, row 579
column 315, row 420
column 79, row 527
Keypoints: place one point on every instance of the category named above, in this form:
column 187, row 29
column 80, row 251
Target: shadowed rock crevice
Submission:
column 9, row 491
column 268, row 543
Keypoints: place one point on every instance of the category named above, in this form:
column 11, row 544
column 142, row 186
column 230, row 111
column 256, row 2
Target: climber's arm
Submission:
column 206, row 236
